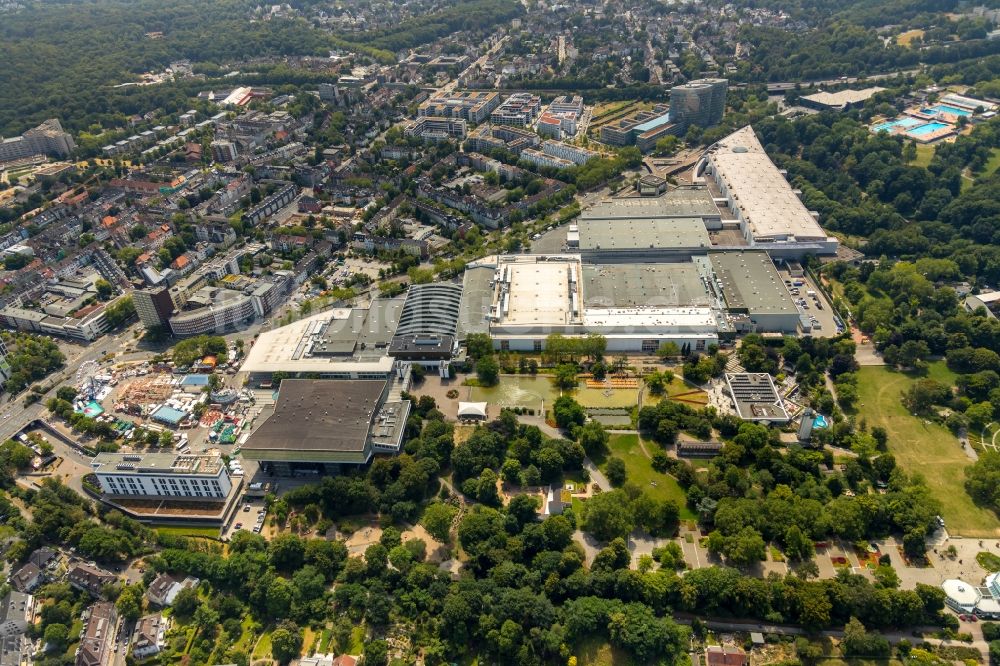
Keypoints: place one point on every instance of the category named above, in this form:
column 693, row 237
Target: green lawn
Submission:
column 678, row 390
column 924, row 447
column 596, row 651
column 357, row 640
column 609, row 398
column 640, row 472
column 924, row 154
column 211, row 532
column 987, row 435
column 263, row 648
column 993, row 163
column 246, row 636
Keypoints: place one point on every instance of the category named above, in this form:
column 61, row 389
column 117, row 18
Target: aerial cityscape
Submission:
column 499, row 332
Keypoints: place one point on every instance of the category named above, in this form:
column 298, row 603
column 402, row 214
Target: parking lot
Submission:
column 550, row 242
column 367, row 265
column 811, row 302
column 250, row 516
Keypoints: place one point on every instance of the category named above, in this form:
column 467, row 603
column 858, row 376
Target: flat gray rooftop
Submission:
column 319, row 415
column 643, row 285
column 751, row 282
column 362, row 333
column 756, row 397
column 477, row 296
column 643, row 233
column 680, row 202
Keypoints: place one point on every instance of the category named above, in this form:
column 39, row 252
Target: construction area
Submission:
column 154, row 397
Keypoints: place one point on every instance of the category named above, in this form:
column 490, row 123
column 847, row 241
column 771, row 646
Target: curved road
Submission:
column 791, row 630
column 14, row 416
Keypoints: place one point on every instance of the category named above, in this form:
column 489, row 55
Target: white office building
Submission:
column 566, row 151
column 162, row 475
column 538, row 158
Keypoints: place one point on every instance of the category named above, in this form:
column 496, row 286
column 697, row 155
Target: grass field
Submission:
column 678, row 390
column 595, row 651
column 967, row 182
column 357, row 640
column 610, row 398
column 923, row 447
column 309, row 636
column 924, row 154
column 988, row 437
column 263, row 648
column 605, row 108
column 640, row 472
column 246, row 636
column 906, row 38
column 993, row 163
column 463, row 432
column 210, row 532
column 988, row 560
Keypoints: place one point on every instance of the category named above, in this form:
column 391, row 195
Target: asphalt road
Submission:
column 791, row 630
column 14, row 416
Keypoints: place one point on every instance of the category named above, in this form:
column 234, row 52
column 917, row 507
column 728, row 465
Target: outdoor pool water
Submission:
column 902, row 123
column 819, row 421
column 93, row 409
column 944, row 108
column 929, row 128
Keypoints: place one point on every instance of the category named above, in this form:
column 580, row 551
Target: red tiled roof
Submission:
column 722, row 656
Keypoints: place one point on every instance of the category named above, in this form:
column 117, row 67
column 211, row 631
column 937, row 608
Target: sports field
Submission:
column 924, row 447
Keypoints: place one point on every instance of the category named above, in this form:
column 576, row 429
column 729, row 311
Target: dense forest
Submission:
column 467, row 15
column 58, row 57
column 64, row 59
column 864, row 12
column 845, row 49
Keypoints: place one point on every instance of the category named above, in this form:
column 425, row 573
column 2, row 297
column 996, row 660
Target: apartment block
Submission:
column 519, row 110
column 474, row 106
column 436, row 128
column 565, row 151
column 46, row 139
column 162, row 475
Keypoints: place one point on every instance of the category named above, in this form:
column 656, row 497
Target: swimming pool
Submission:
column 944, row 108
column 92, row 409
column 901, row 123
column 819, row 421
column 929, row 128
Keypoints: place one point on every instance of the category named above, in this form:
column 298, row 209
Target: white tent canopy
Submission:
column 472, row 410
